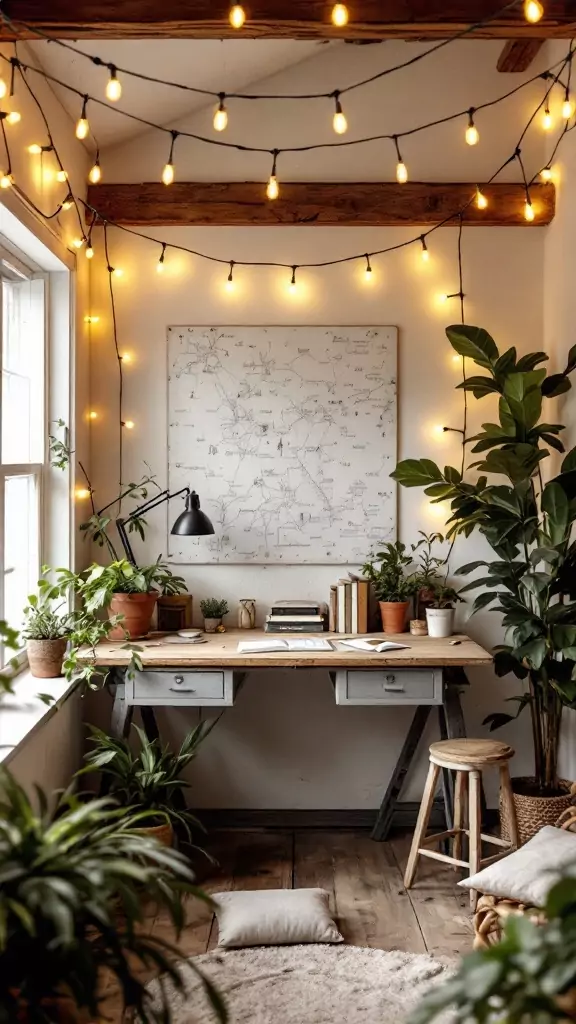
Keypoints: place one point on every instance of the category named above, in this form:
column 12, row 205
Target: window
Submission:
column 23, row 432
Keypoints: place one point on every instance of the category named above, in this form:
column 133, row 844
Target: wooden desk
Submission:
column 427, row 673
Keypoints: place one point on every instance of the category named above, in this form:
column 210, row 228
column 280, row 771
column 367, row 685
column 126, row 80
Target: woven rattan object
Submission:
column 534, row 812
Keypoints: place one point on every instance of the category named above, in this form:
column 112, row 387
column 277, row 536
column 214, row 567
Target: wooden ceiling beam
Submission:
column 315, row 204
column 518, row 54
column 295, row 19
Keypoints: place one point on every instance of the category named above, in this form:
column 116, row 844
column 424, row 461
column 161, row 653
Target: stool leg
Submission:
column 475, row 826
column 508, row 803
column 422, row 822
column 459, row 799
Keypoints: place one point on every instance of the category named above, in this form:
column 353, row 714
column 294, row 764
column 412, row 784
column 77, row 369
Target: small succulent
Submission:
column 212, row 608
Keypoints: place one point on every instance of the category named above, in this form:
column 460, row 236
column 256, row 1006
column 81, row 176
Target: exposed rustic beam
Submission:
column 297, row 19
column 372, row 204
column 518, row 54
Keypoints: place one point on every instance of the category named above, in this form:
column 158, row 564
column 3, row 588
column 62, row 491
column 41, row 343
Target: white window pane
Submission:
column 21, row 545
column 22, row 371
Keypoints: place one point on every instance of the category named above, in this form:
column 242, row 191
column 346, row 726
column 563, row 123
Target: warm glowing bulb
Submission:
column 547, row 121
column 237, row 16
column 160, row 267
column 89, row 319
column 168, row 174
column 126, row 357
column 61, row 176
column 438, row 430
column 229, row 286
column 339, row 122
column 118, row 272
column 442, row 298
column 339, row 15
column 425, row 255
column 113, row 88
column 95, row 173
column 481, row 201
column 401, row 173
column 567, row 108
column 368, row 275
column 220, row 118
column 129, row 424
column 6, row 181
column 546, row 174
column 533, row 11
column 528, row 210
column 14, row 117
column 35, row 149
column 292, row 287
column 82, row 493
column 89, row 254
column 472, row 134
column 3, row 89
column 67, row 204
column 78, row 242
column 92, row 415
column 272, row 190
column 82, row 128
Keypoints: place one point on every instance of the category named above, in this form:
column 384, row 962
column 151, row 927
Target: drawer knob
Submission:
column 391, row 685
column 178, row 679
column 390, row 679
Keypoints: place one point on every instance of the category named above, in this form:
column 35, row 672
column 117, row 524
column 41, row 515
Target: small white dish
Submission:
column 190, row 634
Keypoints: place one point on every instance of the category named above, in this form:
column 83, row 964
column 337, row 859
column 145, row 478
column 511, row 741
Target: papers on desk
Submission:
column 284, row 644
column 374, row 644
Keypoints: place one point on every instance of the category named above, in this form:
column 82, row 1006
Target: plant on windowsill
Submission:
column 130, row 591
column 392, row 585
column 72, row 911
column 213, row 611
column 440, row 610
column 149, row 780
column 531, row 579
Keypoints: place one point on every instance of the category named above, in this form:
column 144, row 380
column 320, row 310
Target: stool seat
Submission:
column 473, row 752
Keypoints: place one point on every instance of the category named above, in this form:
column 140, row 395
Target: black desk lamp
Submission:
column 192, row 522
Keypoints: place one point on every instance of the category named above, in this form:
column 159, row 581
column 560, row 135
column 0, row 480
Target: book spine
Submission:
column 295, row 618
column 341, row 607
column 333, row 610
column 362, row 606
column 288, row 612
column 294, row 627
column 348, row 607
column 354, row 606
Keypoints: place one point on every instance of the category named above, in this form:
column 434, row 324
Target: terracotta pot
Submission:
column 211, row 625
column 45, row 657
column 394, row 615
column 137, row 610
column 162, row 833
column 533, row 812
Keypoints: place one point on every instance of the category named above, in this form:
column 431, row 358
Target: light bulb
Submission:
column 92, row 415
column 229, row 286
column 78, row 242
column 113, row 87
column 272, row 190
column 95, row 173
column 528, row 210
column 533, row 11
column 237, row 16
column 168, row 174
column 6, row 180
column 3, row 89
column 160, row 266
column 129, row 424
column 126, row 357
column 339, row 122
column 547, row 121
column 567, row 108
column 424, row 254
column 89, row 254
column 292, row 287
column 472, row 135
column 339, row 15
column 481, row 200
column 82, row 493
column 118, row 272
column 442, row 298
column 67, row 204
column 35, row 149
column 401, row 173
column 220, row 117
column 546, row 174
column 14, row 117
column 61, row 176
column 82, row 128
column 89, row 319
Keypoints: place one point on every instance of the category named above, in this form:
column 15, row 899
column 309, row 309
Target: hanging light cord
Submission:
column 110, row 271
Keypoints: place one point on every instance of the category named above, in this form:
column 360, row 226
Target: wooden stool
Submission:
column 467, row 758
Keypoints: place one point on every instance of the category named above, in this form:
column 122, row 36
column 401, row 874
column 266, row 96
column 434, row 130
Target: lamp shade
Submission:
column 192, row 522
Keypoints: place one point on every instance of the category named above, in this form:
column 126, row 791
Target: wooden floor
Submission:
column 364, row 880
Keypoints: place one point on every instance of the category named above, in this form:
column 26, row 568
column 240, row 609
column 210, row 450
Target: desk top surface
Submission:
column 221, row 652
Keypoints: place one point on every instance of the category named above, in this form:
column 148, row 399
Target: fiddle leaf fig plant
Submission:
column 529, row 524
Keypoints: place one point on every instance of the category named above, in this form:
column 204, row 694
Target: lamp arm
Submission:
column 119, row 498
column 121, row 524
column 125, row 541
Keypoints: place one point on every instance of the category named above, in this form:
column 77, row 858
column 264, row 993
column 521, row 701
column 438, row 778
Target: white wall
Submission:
column 285, row 744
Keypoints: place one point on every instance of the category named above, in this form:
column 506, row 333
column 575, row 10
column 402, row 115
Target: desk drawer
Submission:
column 389, row 686
column 182, row 687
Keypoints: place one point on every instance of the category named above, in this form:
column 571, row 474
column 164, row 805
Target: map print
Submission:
column 289, row 436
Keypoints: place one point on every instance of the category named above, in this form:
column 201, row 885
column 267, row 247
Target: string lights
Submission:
column 237, row 16
column 113, row 85
column 82, row 126
column 401, row 171
column 160, row 264
column 168, row 171
column 230, row 278
column 292, row 287
column 221, row 115
column 340, row 15
column 14, row 117
column 425, row 254
column 95, row 173
column 547, row 121
column 567, row 106
column 339, row 122
column 3, row 89
column 368, row 271
column 472, row 135
column 533, row 11
column 546, row 173
column 272, row 189
column 481, row 200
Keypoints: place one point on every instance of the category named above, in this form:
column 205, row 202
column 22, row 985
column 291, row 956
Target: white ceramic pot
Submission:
column 440, row 621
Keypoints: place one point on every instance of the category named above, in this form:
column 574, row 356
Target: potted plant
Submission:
column 429, row 569
column 440, row 611
column 72, row 910
column 528, row 523
column 148, row 780
column 46, row 633
column 213, row 611
column 392, row 586
column 130, row 591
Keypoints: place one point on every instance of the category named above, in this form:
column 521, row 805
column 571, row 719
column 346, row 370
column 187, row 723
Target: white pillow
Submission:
column 274, row 917
column 527, row 874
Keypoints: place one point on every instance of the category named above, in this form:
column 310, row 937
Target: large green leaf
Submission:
column 569, row 461
column 473, row 343
column 479, row 386
column 555, row 506
column 531, row 360
column 416, row 473
column 556, row 384
column 524, row 397
column 571, row 363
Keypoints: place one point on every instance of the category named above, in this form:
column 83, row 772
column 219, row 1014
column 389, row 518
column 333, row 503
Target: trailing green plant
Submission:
column 529, row 976
column 71, row 885
column 212, row 608
column 531, row 581
column 148, row 779
column 100, row 582
column 390, row 580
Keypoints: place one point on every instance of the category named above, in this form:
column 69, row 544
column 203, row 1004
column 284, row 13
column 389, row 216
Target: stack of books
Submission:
column 348, row 608
column 296, row 617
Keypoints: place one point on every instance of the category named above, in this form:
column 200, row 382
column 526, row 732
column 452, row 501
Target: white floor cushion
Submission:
column 527, row 874
column 274, row 917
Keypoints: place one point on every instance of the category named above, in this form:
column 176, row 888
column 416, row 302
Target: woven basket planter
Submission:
column 45, row 657
column 533, row 812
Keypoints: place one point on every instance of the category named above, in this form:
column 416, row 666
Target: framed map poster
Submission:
column 289, row 436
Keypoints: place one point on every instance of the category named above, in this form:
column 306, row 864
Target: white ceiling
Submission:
column 229, row 65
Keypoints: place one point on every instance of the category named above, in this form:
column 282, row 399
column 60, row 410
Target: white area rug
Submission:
column 309, row 985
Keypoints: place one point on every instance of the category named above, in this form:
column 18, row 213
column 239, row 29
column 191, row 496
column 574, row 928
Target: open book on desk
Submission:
column 297, row 643
column 373, row 643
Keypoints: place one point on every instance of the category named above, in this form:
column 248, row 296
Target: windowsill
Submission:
column 22, row 713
